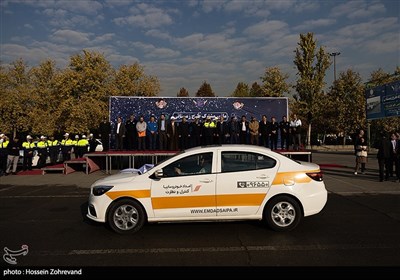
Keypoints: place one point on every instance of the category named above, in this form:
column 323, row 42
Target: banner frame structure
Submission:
column 201, row 107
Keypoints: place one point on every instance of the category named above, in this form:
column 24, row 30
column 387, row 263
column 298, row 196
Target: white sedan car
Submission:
column 213, row 183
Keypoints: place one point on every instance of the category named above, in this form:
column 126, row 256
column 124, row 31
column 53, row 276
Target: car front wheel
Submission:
column 282, row 213
column 126, row 216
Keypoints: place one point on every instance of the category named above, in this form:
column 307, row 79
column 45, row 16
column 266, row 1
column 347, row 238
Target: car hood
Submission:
column 117, row 178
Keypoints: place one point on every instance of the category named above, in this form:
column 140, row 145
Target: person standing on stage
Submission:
column 172, row 133
column 274, row 127
column 254, row 126
column 195, row 131
column 131, row 133
column 104, row 134
column 295, row 126
column 152, row 129
column 54, row 149
column 162, row 133
column 243, row 130
column 92, row 143
column 119, row 132
column 141, row 127
column 66, row 147
column 221, row 131
column 42, row 148
column 264, row 131
column 284, row 127
column 184, row 133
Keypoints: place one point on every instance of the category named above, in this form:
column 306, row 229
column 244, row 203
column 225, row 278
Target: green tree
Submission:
column 274, row 82
column 45, row 100
column 347, row 104
column 380, row 77
column 44, row 115
column 241, row 90
column 5, row 86
column 16, row 100
column 130, row 80
column 205, row 90
column 311, row 64
column 256, row 90
column 84, row 88
column 183, row 93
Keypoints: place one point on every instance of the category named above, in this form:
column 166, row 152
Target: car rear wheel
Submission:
column 126, row 216
column 283, row 213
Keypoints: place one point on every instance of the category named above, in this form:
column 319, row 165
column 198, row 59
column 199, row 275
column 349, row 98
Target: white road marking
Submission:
column 315, row 247
column 6, row 189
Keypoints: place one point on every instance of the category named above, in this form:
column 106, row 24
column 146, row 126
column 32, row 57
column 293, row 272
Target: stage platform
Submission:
column 112, row 159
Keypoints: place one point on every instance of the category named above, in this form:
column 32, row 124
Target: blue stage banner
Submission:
column 201, row 107
column 383, row 101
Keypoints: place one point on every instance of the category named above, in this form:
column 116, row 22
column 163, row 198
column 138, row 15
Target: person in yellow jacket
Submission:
column 54, row 149
column 66, row 147
column 3, row 153
column 209, row 127
column 82, row 146
column 42, row 151
column 29, row 148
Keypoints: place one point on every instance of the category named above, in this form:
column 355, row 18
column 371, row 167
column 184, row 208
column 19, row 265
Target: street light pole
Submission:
column 334, row 54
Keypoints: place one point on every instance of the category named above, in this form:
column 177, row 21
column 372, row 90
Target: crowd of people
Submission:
column 170, row 134
column 155, row 134
column 388, row 155
column 48, row 150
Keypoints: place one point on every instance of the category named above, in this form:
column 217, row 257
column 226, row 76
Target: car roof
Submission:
column 229, row 147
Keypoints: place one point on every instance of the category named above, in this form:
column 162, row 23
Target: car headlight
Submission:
column 99, row 190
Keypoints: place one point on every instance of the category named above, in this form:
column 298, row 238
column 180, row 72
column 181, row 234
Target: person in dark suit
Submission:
column 243, row 130
column 172, row 134
column 221, row 131
column 394, row 156
column 184, row 133
column 104, row 133
column 162, row 133
column 383, row 156
column 119, row 131
column 131, row 133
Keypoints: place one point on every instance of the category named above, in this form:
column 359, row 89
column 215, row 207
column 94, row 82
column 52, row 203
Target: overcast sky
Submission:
column 185, row 43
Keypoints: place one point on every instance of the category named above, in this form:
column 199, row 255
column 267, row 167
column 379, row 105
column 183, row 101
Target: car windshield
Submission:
column 142, row 170
column 199, row 163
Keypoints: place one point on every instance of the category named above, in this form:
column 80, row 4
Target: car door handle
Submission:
column 206, row 181
column 262, row 177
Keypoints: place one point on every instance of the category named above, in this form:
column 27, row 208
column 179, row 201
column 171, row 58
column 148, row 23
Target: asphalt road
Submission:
column 359, row 228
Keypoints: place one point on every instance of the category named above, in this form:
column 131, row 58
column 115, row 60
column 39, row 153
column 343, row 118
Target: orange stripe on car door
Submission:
column 183, row 201
column 135, row 194
column 298, row 177
column 207, row 201
column 240, row 199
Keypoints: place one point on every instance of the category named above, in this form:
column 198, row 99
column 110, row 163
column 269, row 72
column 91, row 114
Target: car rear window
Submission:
column 243, row 161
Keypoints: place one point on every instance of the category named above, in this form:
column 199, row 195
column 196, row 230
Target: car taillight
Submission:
column 317, row 176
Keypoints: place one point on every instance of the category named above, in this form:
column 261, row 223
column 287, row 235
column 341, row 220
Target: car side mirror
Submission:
column 159, row 173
